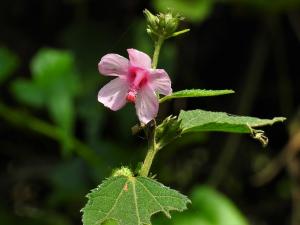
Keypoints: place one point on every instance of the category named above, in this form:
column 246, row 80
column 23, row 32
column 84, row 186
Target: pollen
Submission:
column 131, row 96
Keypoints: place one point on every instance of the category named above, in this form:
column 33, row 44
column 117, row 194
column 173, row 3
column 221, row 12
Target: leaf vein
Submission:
column 151, row 194
column 135, row 202
column 113, row 207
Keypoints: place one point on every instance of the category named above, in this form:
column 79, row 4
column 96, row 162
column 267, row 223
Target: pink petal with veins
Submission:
column 160, row 81
column 113, row 94
column 146, row 104
column 136, row 83
column 139, row 59
column 113, row 65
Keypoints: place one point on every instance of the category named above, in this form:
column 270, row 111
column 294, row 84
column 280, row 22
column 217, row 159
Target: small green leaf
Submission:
column 28, row 92
column 131, row 201
column 8, row 63
column 193, row 93
column 201, row 120
column 167, row 131
column 61, row 108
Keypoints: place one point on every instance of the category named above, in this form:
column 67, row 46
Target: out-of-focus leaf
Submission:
column 193, row 93
column 131, row 200
column 216, row 207
column 62, row 111
column 209, row 207
column 28, row 92
column 54, row 85
column 54, row 69
column 193, row 10
column 269, row 5
column 8, row 63
column 55, row 74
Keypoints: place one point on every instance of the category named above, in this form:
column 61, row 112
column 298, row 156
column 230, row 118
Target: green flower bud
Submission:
column 162, row 25
column 152, row 20
column 171, row 23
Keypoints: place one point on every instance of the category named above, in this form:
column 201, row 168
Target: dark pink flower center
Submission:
column 137, row 78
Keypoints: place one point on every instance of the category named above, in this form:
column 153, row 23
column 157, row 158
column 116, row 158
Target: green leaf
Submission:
column 193, row 10
column 131, row 201
column 61, row 108
column 215, row 207
column 55, row 69
column 275, row 6
column 28, row 92
column 8, row 63
column 193, row 93
column 167, row 131
column 201, row 120
column 55, row 77
column 209, row 207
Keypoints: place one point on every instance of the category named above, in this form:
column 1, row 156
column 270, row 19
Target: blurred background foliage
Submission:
column 57, row 142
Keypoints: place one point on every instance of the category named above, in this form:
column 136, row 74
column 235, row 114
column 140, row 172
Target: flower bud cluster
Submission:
column 162, row 25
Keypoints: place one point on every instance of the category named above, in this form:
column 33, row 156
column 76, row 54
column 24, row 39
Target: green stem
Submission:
column 152, row 146
column 158, row 45
column 18, row 118
column 152, row 150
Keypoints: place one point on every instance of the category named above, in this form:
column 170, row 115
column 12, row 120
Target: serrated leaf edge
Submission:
column 186, row 199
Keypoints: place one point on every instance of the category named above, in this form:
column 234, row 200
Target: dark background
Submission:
column 252, row 47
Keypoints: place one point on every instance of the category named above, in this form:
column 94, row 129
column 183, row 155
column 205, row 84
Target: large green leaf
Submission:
column 193, row 93
column 131, row 201
column 201, row 120
column 8, row 63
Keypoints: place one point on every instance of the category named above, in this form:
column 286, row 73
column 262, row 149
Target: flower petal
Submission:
column 160, row 81
column 113, row 65
column 113, row 94
column 146, row 104
column 139, row 59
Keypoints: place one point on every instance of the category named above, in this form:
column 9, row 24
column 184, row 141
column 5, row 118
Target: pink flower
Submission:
column 136, row 82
